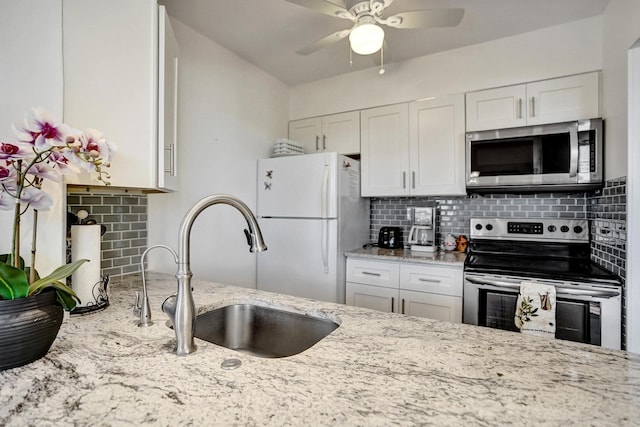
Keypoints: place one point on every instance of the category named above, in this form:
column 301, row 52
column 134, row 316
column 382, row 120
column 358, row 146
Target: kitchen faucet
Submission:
column 180, row 307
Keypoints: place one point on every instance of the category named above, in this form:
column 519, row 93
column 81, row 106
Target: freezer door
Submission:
column 298, row 186
column 301, row 259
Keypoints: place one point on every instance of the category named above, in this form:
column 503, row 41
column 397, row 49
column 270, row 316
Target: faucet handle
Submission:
column 136, row 305
column 249, row 237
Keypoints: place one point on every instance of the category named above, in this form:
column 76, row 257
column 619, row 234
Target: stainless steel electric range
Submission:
column 505, row 252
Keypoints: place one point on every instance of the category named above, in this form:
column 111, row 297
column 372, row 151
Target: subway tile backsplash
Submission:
column 606, row 211
column 125, row 217
column 453, row 213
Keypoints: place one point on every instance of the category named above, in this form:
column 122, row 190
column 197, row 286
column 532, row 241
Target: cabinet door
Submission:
column 384, row 148
column 168, row 55
column 341, row 133
column 111, row 83
column 564, row 99
column 498, row 108
column 373, row 297
column 436, row 138
column 439, row 307
column 307, row 132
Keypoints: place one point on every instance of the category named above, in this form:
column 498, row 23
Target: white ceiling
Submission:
column 267, row 33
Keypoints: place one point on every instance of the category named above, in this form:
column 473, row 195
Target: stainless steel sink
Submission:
column 261, row 331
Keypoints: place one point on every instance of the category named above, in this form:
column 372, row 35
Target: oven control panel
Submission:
column 539, row 230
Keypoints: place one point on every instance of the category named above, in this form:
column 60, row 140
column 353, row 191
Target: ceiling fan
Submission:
column 366, row 36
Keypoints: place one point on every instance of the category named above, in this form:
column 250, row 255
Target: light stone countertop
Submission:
column 376, row 369
column 450, row 258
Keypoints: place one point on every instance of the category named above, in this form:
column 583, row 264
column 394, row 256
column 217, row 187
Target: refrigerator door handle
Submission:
column 325, row 245
column 325, row 191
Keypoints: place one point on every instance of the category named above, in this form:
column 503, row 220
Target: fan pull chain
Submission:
column 381, row 72
column 350, row 57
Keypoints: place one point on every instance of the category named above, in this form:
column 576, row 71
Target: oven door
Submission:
column 586, row 313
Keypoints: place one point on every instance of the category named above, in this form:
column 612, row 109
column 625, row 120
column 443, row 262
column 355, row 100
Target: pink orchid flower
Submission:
column 36, row 198
column 14, row 151
column 42, row 130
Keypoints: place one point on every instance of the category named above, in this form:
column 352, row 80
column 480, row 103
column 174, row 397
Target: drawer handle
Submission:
column 402, row 305
column 367, row 273
column 422, row 279
column 392, row 303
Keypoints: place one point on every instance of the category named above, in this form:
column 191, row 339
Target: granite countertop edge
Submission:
column 439, row 257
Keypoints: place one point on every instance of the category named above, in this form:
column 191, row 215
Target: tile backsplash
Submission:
column 125, row 217
column 453, row 213
column 606, row 211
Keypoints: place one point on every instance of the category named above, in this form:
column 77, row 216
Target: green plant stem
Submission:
column 15, row 247
column 32, row 271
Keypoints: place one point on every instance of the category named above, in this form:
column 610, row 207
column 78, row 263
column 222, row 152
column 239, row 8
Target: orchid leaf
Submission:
column 7, row 259
column 67, row 302
column 57, row 275
column 13, row 282
column 65, row 295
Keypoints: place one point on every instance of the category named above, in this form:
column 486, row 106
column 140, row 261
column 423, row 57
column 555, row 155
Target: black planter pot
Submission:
column 28, row 327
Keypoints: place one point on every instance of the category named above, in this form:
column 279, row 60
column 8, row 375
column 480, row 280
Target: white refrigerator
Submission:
column 310, row 212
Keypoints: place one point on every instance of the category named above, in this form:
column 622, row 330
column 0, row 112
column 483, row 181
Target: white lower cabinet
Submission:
column 373, row 297
column 422, row 290
column 433, row 306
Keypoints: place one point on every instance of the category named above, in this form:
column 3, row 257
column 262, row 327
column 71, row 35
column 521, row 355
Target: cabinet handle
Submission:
column 519, row 108
column 317, row 142
column 413, row 179
column 422, row 279
column 392, row 303
column 533, row 106
column 172, row 170
column 367, row 273
column 404, row 179
column 402, row 306
column 324, row 142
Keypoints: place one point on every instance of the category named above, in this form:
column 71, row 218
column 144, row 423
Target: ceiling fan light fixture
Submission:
column 366, row 38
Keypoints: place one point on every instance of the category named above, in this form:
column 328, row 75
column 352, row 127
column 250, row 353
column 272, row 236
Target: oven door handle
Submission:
column 497, row 283
column 585, row 293
column 560, row 291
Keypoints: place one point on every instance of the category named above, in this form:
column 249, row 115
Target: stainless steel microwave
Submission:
column 554, row 157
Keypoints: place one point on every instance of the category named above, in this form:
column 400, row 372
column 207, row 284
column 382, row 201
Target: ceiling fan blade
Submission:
column 323, row 42
column 325, row 7
column 425, row 18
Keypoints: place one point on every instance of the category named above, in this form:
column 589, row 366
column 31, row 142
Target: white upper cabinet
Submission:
column 168, row 66
column 496, row 108
column 336, row 132
column 111, row 83
column 547, row 101
column 414, row 149
column 384, row 161
column 436, row 140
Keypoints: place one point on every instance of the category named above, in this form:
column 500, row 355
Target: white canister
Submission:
column 86, row 280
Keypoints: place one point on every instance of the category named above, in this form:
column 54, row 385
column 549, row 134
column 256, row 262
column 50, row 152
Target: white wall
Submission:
column 555, row 51
column 30, row 76
column 230, row 114
column 621, row 79
column 620, row 29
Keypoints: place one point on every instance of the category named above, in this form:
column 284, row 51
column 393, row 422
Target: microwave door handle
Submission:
column 573, row 145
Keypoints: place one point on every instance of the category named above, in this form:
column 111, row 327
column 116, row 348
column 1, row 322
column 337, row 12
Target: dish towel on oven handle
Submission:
column 536, row 309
